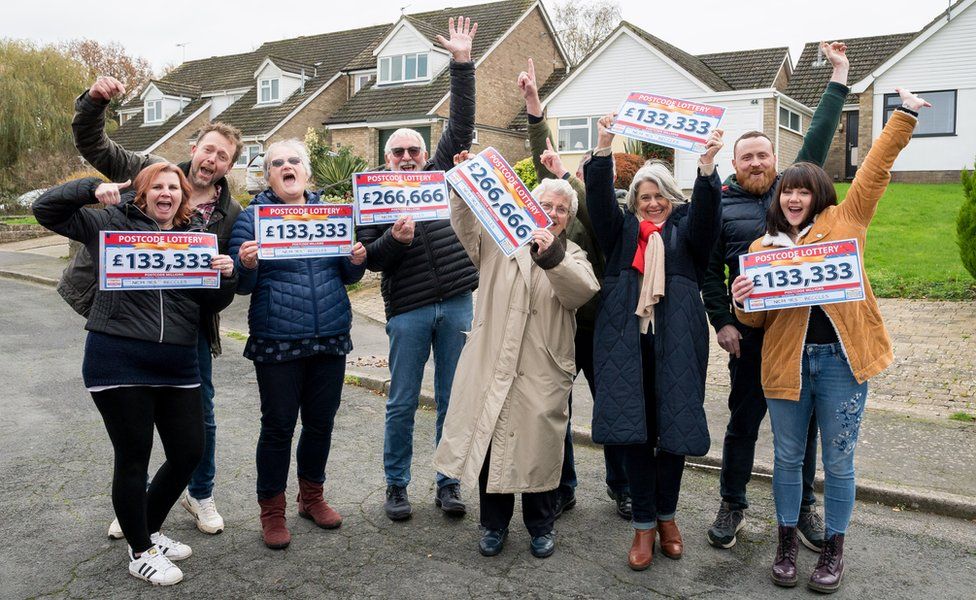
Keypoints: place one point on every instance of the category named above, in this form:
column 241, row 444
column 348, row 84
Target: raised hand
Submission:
column 105, row 88
column 550, row 160
column 604, row 137
column 836, row 53
column 108, row 193
column 358, row 256
column 461, row 37
column 530, row 90
column 402, row 231
column 712, row 146
column 911, row 101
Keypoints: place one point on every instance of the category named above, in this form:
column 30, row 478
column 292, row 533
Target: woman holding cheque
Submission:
column 140, row 362
column 819, row 358
column 299, row 322
column 651, row 339
column 507, row 418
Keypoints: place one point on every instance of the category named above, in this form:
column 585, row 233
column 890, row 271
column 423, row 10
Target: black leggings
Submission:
column 129, row 414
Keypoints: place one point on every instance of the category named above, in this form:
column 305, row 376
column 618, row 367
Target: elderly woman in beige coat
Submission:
column 509, row 403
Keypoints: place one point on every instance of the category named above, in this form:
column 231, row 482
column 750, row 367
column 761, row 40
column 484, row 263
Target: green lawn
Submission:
column 911, row 245
column 27, row 220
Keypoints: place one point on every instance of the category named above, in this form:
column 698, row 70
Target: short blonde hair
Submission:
column 560, row 187
column 658, row 173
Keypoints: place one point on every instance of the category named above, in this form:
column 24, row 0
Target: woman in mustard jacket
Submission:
column 820, row 357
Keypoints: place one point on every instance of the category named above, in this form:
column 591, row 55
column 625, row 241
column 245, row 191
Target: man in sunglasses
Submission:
column 427, row 283
column 216, row 150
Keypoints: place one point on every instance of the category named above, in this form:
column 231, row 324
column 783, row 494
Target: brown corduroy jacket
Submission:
column 859, row 325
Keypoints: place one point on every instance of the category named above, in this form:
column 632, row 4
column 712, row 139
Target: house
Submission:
column 362, row 84
column 750, row 84
column 936, row 63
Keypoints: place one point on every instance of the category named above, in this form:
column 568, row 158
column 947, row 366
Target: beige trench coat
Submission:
column 512, row 384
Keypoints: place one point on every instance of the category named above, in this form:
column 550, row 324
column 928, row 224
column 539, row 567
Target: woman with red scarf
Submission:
column 651, row 339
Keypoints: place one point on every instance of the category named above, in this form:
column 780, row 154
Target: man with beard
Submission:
column 216, row 150
column 427, row 283
column 745, row 201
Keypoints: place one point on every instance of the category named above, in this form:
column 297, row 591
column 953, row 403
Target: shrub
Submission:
column 81, row 174
column 627, row 165
column 332, row 170
column 966, row 223
column 526, row 172
column 649, row 151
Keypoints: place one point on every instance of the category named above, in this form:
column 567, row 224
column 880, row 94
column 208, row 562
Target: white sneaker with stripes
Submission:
column 169, row 547
column 154, row 567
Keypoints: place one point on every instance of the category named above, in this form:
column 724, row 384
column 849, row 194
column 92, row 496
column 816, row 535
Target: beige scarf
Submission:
column 651, row 282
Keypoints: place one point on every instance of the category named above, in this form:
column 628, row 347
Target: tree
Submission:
column 966, row 223
column 583, row 25
column 38, row 87
column 111, row 59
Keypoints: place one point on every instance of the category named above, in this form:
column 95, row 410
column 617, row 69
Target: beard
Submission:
column 756, row 185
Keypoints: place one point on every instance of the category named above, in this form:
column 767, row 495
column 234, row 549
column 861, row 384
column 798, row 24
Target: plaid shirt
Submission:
column 202, row 213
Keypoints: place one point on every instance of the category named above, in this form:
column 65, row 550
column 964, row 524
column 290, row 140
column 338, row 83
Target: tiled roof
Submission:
column 328, row 52
column 520, row 122
column 219, row 72
column 747, row 69
column 810, row 76
column 292, row 66
column 172, row 88
column 688, row 62
column 135, row 137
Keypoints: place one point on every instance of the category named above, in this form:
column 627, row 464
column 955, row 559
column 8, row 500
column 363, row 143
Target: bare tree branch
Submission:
column 583, row 25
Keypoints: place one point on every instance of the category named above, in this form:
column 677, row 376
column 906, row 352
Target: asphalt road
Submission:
column 55, row 472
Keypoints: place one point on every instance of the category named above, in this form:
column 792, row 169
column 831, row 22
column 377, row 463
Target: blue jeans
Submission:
column 202, row 481
column 440, row 325
column 828, row 387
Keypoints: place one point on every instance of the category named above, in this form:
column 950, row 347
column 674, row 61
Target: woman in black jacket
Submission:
column 651, row 338
column 140, row 360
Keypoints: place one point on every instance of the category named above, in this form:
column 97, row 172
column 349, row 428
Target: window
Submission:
column 154, row 111
column 248, row 152
column 362, row 81
column 269, row 91
column 404, row 67
column 940, row 120
column 578, row 134
column 789, row 119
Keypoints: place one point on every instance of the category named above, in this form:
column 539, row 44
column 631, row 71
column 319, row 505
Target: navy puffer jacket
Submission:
column 297, row 298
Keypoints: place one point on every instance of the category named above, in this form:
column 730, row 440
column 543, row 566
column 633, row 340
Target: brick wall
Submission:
column 836, row 156
column 177, row 148
column 17, row 233
column 512, row 144
column 925, row 176
column 315, row 113
column 865, row 123
column 789, row 145
column 363, row 141
column 782, row 78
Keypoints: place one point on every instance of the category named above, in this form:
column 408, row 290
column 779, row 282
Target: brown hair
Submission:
column 228, row 131
column 145, row 179
column 801, row 175
column 748, row 135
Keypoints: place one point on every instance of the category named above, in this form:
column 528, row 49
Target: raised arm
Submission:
column 88, row 127
column 539, row 140
column 460, row 124
column 705, row 212
column 61, row 209
column 820, row 133
column 601, row 199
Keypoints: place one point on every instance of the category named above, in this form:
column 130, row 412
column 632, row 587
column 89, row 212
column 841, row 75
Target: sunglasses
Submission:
column 280, row 162
column 413, row 150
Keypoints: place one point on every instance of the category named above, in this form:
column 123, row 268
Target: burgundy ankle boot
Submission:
column 830, row 568
column 784, row 567
column 273, row 530
column 312, row 505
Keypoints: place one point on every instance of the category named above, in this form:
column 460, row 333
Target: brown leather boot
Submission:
column 312, row 506
column 273, row 530
column 671, row 544
column 830, row 568
column 641, row 550
column 784, row 567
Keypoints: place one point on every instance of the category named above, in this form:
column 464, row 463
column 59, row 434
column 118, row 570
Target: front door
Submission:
column 850, row 154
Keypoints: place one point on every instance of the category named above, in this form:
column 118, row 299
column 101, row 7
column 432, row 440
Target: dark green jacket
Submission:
column 579, row 230
column 744, row 213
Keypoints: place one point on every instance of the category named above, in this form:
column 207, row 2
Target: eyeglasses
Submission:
column 280, row 162
column 413, row 150
column 561, row 210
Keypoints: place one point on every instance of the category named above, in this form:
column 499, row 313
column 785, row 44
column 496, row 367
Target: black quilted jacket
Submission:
column 681, row 331
column 434, row 266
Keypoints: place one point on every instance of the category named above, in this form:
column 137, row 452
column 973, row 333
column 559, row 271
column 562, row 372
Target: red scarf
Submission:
column 646, row 229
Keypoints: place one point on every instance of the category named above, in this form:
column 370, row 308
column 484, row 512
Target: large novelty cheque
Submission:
column 822, row 273
column 303, row 230
column 384, row 197
column 679, row 124
column 156, row 261
column 499, row 199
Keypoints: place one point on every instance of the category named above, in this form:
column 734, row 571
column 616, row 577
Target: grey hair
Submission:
column 295, row 145
column 557, row 186
column 659, row 173
column 405, row 131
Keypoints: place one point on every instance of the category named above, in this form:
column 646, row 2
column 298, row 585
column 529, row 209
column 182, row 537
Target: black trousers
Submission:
column 538, row 508
column 654, row 475
column 129, row 414
column 747, row 409
column 310, row 386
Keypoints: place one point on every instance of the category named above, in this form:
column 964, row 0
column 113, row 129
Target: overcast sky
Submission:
column 217, row 28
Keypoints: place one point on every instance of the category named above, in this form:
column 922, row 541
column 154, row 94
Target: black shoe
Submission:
column 449, row 500
column 492, row 541
column 544, row 545
column 810, row 528
column 397, row 506
column 565, row 500
column 727, row 523
column 624, row 503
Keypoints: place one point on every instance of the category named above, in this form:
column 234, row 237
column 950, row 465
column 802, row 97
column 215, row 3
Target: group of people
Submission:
column 620, row 292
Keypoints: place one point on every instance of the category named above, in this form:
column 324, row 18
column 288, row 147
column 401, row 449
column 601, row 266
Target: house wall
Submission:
column 782, row 78
column 512, row 144
column 363, row 140
column 836, row 165
column 740, row 116
column 407, row 41
column 288, row 83
column 177, row 148
column 315, row 113
column 219, row 104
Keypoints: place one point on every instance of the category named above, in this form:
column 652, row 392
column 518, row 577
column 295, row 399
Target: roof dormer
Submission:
column 278, row 78
column 163, row 99
column 410, row 53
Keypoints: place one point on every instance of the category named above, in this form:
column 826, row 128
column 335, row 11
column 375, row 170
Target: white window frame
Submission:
column 387, row 64
column 273, row 86
column 157, row 112
column 249, row 151
column 787, row 124
column 361, row 80
column 589, row 126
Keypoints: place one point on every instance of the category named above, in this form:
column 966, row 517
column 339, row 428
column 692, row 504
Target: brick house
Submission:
column 362, row 83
